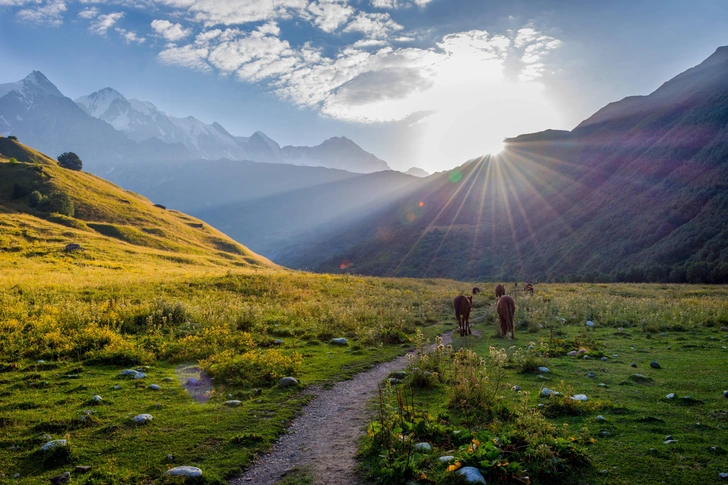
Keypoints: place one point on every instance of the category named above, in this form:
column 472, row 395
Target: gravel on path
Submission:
column 324, row 436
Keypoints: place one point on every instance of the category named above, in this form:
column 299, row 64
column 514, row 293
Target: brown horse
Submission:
column 506, row 308
column 462, row 305
column 529, row 288
column 500, row 290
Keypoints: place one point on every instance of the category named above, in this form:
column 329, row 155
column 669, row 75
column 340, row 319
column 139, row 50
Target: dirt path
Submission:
column 324, row 437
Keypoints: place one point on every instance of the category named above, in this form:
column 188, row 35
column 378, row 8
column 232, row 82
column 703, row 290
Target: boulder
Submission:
column 288, row 382
column 184, row 471
column 545, row 392
column 654, row 364
column 128, row 373
column 544, row 369
column 339, row 341
column 51, row 445
column 423, row 447
column 142, row 418
column 471, row 475
column 446, row 459
column 154, row 387
column 580, row 397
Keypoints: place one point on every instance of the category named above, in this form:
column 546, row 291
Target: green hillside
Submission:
column 114, row 227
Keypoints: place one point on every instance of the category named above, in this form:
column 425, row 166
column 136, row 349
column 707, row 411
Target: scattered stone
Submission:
column 394, row 381
column 633, row 364
column 288, row 382
column 615, row 355
column 605, row 358
column 620, row 329
column 53, row 445
column 671, row 396
column 580, row 397
column 400, row 374
column 278, row 341
column 142, row 418
column 516, row 388
column 471, row 475
column 586, row 357
column 542, row 377
column 83, row 468
column 339, row 341
column 544, row 369
column 128, row 373
column 591, row 374
column 581, row 352
column 154, row 387
column 590, row 324
column 168, row 379
column 233, row 403
column 446, row 459
column 605, row 433
column 601, row 384
column 668, row 437
column 603, row 472
column 723, row 476
column 541, row 405
column 60, row 479
column 539, row 325
column 45, row 437
column 546, row 392
column 184, row 471
column 601, row 418
column 725, row 394
column 192, row 382
column 140, row 375
column 17, row 475
column 170, row 457
column 669, row 442
column 97, row 398
column 424, row 447
column 654, row 364
column 724, row 329
column 571, row 353
column 116, row 387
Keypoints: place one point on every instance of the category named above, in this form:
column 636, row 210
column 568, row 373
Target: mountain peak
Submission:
column 37, row 80
column 97, row 103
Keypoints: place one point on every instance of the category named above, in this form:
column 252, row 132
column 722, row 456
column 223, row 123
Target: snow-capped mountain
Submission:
column 106, row 129
column 141, row 120
column 37, row 112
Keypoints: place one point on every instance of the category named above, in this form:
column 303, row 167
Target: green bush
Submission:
column 58, row 202
column 70, row 161
column 13, row 137
column 35, row 199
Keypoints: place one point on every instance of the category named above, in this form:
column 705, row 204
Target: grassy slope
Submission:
column 115, row 227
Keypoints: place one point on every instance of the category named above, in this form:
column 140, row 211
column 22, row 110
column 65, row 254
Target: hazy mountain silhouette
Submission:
column 639, row 191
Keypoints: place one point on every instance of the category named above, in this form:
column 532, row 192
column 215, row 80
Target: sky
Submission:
column 426, row 83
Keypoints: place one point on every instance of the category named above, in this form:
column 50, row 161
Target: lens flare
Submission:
column 455, row 176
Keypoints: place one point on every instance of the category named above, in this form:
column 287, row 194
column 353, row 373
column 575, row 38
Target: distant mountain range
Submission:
column 637, row 192
column 106, row 129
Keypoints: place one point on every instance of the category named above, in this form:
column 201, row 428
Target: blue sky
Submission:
column 424, row 83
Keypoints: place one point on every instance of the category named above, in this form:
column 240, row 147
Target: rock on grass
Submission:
column 184, row 471
column 471, row 475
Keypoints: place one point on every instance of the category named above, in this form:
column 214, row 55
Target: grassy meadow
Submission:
column 616, row 437
column 156, row 290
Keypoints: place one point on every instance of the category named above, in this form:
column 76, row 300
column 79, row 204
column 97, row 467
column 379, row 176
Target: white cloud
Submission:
column 104, row 22
column 50, row 13
column 377, row 25
column 329, row 15
column 234, row 12
column 168, row 30
column 89, row 13
column 130, row 36
column 393, row 4
column 188, row 56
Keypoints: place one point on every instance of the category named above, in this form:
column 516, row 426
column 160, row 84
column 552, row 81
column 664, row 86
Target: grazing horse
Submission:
column 529, row 288
column 462, row 305
column 476, row 290
column 500, row 290
column 506, row 308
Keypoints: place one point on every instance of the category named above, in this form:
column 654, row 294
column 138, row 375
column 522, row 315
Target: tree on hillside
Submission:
column 70, row 161
column 58, row 202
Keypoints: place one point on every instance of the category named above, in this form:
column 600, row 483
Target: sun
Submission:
column 494, row 148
